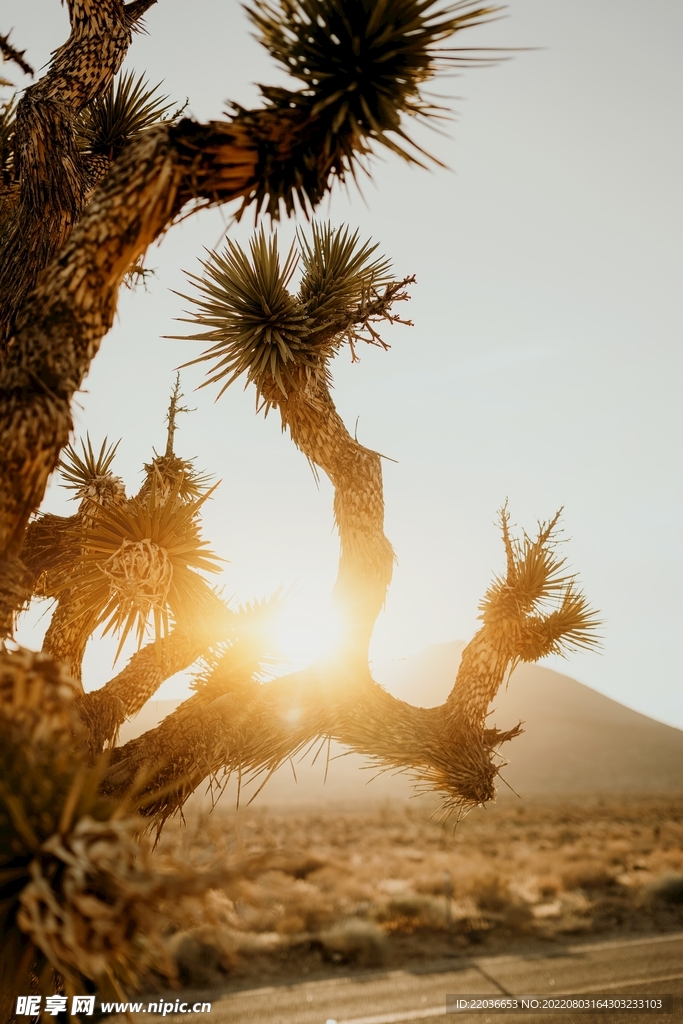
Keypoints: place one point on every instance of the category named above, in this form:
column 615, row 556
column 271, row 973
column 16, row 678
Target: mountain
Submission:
column 577, row 742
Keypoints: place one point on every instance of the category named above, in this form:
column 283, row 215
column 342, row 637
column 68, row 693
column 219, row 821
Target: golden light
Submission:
column 307, row 630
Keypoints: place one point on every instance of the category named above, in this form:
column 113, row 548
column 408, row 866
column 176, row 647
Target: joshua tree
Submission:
column 93, row 171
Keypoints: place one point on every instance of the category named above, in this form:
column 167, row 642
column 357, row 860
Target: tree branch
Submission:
column 367, row 558
column 236, row 726
column 53, row 181
column 105, row 709
column 232, row 724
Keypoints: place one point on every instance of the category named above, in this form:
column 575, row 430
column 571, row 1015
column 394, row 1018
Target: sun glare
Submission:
column 306, row 632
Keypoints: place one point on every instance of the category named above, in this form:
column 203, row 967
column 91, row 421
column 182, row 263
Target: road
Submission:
column 645, row 966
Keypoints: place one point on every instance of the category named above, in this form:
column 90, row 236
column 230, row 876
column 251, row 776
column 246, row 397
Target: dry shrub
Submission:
column 519, row 919
column 587, row 874
column 291, row 924
column 301, row 867
column 314, row 909
column 411, row 911
column 438, row 884
column 491, row 892
column 257, row 918
column 198, row 962
column 219, row 910
column 672, row 859
column 549, row 885
column 330, row 878
column 535, row 889
column 667, row 888
column 487, row 882
column 355, row 941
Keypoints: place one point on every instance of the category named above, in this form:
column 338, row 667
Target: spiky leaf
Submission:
column 256, row 326
column 537, row 602
column 171, row 471
column 126, row 109
column 362, row 66
column 252, row 633
column 80, row 472
column 337, row 271
column 141, row 563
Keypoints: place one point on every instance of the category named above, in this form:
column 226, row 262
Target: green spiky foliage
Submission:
column 80, row 472
column 256, row 326
column 361, row 65
column 141, row 565
column 126, row 109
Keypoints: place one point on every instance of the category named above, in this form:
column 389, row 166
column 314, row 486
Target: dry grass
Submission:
column 391, row 887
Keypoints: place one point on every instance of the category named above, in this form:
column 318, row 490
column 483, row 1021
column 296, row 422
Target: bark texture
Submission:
column 366, row 557
column 54, row 179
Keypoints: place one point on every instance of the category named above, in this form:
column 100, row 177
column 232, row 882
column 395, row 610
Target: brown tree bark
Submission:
column 366, row 557
column 54, row 178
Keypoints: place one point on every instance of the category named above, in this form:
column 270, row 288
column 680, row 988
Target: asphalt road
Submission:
column 646, row 966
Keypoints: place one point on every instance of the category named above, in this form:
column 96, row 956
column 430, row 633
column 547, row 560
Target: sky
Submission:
column 543, row 367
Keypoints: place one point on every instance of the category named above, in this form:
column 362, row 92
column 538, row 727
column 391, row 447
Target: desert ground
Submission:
column 387, row 886
column 349, row 874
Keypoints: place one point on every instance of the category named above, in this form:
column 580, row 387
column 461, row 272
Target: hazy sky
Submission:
column 545, row 361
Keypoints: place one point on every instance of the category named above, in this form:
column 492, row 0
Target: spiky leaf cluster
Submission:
column 168, row 471
column 361, row 65
column 171, row 471
column 12, row 55
column 141, row 564
column 256, row 326
column 538, row 601
column 126, row 109
column 337, row 273
column 53, row 542
column 45, row 787
column 81, row 472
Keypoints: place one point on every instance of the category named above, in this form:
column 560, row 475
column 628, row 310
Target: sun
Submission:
column 307, row 630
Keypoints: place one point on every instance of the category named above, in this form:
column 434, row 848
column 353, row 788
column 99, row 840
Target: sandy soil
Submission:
column 389, row 887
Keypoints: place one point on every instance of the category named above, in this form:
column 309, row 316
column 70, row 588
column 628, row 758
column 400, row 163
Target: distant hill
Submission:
column 577, row 742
